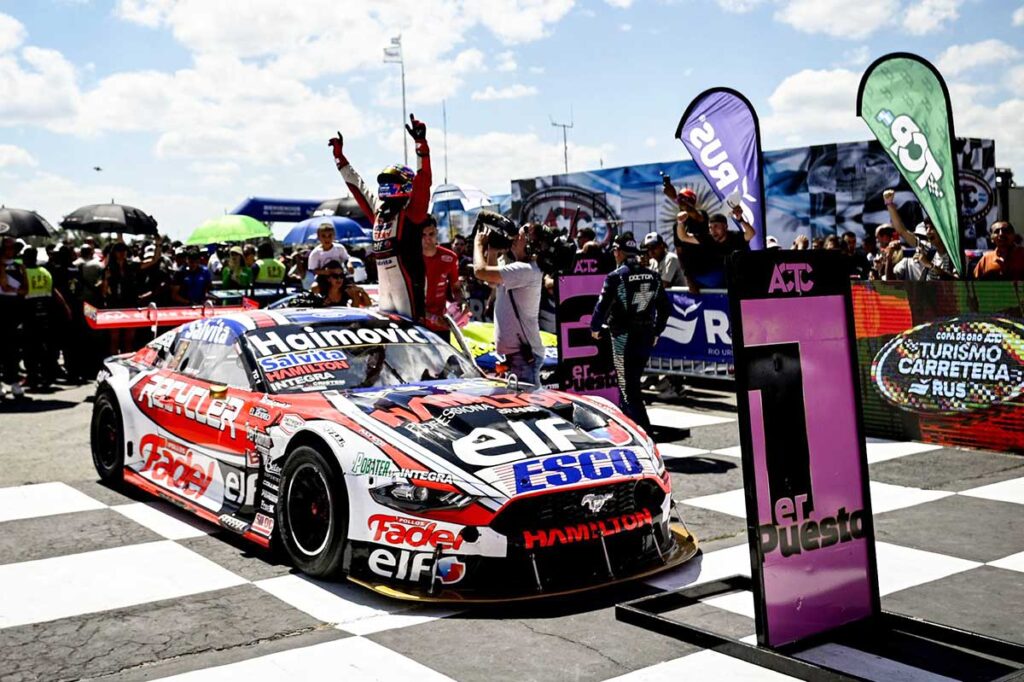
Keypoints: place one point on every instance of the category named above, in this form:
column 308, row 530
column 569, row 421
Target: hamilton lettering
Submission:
column 581, row 532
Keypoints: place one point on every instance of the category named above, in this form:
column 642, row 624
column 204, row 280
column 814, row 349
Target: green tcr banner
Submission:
column 904, row 101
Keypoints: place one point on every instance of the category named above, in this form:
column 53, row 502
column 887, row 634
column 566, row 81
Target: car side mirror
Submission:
column 218, row 391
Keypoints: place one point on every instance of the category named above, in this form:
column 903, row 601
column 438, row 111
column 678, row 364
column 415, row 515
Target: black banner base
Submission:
column 911, row 642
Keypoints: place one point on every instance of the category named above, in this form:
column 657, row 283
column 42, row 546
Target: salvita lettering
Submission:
column 789, row 277
column 295, row 359
column 209, row 331
column 269, row 343
column 911, row 150
column 808, row 535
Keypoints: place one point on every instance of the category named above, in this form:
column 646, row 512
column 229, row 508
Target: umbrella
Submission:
column 17, row 222
column 229, row 228
column 109, row 218
column 345, row 231
column 346, row 207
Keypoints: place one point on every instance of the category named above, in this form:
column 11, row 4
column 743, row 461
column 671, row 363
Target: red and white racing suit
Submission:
column 397, row 244
column 442, row 283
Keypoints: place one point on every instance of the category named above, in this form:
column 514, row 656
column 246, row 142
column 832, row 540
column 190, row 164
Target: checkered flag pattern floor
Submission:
column 97, row 583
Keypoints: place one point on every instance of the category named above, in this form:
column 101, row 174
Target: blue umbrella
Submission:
column 346, row 231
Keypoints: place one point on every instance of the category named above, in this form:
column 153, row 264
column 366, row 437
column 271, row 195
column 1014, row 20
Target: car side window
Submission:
column 209, row 357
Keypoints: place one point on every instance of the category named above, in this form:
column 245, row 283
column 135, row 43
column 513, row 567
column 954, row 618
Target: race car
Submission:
column 364, row 445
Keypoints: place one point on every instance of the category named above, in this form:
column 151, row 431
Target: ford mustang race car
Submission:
column 364, row 445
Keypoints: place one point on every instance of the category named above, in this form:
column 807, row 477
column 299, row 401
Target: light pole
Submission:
column 565, row 139
column 393, row 55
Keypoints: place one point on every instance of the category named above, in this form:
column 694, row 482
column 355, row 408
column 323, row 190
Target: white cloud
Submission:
column 1018, row 16
column 54, row 196
column 814, row 107
column 37, row 88
column 12, row 33
column 926, row 16
column 958, row 59
column 491, row 160
column 625, row 28
column 621, row 4
column 1015, row 79
column 1003, row 122
column 836, row 18
column 11, row 155
column 738, row 6
column 514, row 91
column 856, row 57
column 506, row 61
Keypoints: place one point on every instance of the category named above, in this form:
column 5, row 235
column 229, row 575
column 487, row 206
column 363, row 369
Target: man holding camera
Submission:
column 634, row 309
column 517, row 300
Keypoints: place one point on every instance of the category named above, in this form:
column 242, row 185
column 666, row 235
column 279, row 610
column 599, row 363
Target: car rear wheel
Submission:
column 106, row 438
column 312, row 513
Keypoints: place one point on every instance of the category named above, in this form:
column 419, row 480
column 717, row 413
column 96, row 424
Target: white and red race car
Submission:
column 364, row 445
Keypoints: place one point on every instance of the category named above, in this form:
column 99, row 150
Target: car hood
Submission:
column 481, row 423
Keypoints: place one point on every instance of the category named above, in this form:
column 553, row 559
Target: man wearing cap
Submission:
column 634, row 309
column 191, row 283
column 664, row 262
column 931, row 261
column 716, row 245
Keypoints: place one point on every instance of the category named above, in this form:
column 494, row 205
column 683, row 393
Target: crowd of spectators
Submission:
column 44, row 291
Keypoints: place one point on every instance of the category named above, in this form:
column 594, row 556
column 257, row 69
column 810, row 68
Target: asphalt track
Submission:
column 99, row 584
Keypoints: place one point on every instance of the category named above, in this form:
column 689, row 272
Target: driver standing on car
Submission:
column 634, row 309
column 397, row 212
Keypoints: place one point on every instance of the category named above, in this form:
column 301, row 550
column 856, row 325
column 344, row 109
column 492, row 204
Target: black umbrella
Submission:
column 17, row 222
column 346, row 207
column 110, row 218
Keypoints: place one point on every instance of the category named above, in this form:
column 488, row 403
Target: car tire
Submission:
column 106, row 438
column 312, row 513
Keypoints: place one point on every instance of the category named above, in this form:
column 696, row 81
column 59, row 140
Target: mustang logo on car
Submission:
column 594, row 502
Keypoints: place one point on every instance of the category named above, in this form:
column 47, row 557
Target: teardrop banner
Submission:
column 905, row 103
column 721, row 131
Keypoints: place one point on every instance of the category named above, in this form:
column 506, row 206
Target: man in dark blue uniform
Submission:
column 634, row 309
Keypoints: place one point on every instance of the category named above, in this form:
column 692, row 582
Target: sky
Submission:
column 189, row 106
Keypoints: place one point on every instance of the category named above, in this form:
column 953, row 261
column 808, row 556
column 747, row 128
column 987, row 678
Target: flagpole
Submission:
column 393, row 55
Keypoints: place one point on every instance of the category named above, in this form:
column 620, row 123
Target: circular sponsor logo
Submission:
column 570, row 208
column 957, row 365
column 976, row 197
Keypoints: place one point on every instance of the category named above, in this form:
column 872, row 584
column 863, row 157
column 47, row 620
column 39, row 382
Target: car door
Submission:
column 197, row 447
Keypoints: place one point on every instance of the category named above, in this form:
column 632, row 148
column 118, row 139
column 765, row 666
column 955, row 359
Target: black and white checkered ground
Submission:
column 94, row 583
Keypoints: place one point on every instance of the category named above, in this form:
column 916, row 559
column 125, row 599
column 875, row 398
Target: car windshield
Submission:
column 358, row 354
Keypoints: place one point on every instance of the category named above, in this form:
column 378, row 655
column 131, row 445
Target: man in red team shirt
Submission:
column 442, row 269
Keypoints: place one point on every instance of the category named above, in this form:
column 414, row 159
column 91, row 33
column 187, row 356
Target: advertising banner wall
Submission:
column 815, row 191
column 720, row 131
column 904, row 101
column 584, row 364
column 698, row 328
column 804, row 464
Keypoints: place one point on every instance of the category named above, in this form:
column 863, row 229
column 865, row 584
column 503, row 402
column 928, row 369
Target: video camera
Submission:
column 554, row 249
column 499, row 230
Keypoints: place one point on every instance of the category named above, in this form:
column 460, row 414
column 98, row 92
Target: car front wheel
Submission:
column 312, row 513
column 106, row 438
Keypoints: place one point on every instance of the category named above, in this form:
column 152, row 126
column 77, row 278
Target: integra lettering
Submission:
column 807, row 535
column 270, row 343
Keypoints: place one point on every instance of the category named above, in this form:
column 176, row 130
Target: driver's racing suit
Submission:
column 397, row 244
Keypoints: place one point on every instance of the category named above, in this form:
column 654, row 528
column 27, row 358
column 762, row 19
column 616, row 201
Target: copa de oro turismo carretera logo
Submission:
column 953, row 366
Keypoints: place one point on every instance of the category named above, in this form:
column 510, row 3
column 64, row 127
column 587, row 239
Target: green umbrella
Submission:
column 229, row 228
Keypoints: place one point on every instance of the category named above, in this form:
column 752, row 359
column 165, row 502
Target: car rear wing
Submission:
column 154, row 316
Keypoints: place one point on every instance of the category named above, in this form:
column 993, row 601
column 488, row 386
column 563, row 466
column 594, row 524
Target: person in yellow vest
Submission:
column 40, row 349
column 267, row 271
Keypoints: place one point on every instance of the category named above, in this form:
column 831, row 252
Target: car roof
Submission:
column 262, row 318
